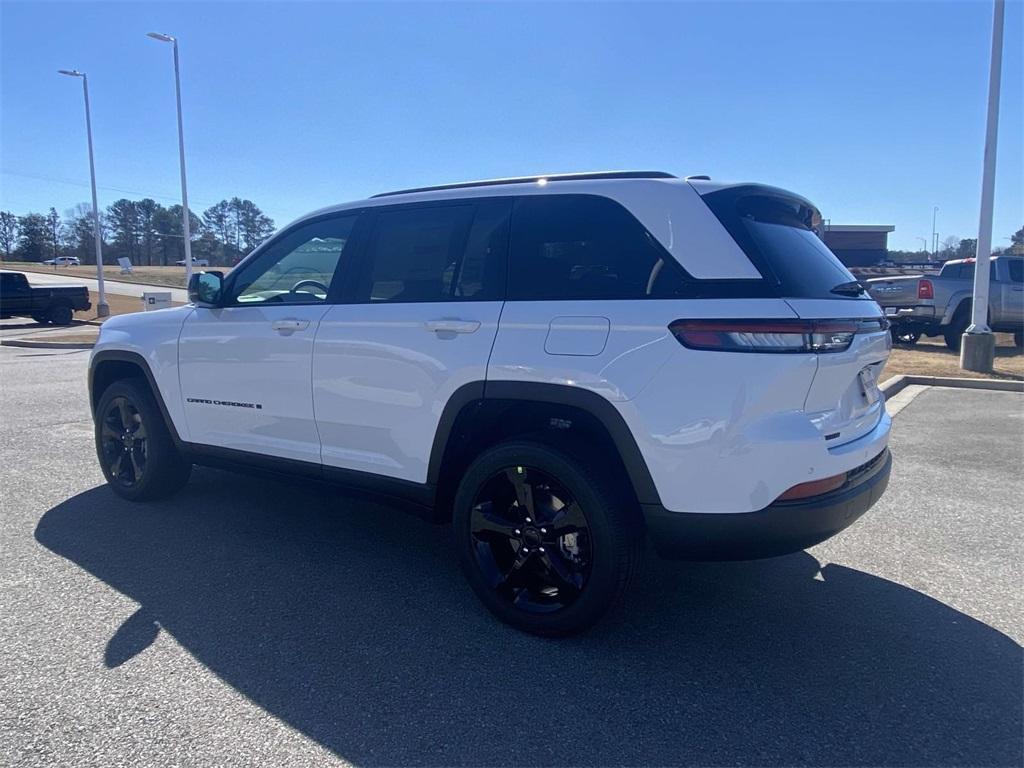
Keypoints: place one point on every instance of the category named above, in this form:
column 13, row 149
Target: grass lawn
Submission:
column 929, row 357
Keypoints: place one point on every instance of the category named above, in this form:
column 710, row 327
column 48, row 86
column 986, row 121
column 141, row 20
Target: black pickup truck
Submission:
column 52, row 304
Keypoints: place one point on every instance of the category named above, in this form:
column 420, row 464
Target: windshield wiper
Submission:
column 852, row 288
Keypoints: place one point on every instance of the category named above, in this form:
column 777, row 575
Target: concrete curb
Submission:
column 24, row 343
column 895, row 385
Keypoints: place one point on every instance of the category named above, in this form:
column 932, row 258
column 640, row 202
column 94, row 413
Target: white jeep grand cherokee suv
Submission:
column 560, row 366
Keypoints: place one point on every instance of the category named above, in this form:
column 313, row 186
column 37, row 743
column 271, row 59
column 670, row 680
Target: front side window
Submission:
column 298, row 267
column 585, row 247
column 437, row 253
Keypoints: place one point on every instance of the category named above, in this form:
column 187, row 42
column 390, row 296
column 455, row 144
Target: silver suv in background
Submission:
column 940, row 305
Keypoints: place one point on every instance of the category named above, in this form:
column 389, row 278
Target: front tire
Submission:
column 134, row 446
column 545, row 541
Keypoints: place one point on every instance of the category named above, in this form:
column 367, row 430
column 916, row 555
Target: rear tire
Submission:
column 134, row 445
column 61, row 314
column 548, row 544
column 955, row 330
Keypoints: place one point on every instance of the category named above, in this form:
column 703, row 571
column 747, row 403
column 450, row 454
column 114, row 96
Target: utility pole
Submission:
column 185, row 223
column 978, row 345
column 935, row 234
column 102, row 308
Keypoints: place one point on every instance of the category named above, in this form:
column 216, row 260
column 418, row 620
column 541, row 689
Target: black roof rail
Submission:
column 533, row 179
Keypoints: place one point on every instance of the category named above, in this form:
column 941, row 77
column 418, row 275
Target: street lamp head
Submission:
column 160, row 36
column 71, row 72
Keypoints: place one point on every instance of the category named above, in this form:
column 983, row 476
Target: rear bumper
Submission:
column 778, row 529
column 923, row 313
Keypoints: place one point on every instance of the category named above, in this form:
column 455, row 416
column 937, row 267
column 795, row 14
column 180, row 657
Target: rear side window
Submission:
column 1016, row 268
column 437, row 253
column 777, row 232
column 585, row 247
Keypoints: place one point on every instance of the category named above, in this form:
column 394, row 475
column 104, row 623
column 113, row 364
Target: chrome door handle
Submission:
column 290, row 324
column 449, row 325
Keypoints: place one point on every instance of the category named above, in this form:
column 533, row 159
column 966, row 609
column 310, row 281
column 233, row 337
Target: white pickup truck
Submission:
column 941, row 304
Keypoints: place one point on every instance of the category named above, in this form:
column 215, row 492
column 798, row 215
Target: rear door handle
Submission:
column 290, row 324
column 448, row 325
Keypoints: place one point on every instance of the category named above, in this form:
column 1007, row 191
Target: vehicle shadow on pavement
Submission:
column 350, row 622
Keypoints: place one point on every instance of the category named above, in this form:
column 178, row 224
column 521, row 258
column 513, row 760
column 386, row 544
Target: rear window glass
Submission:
column 777, row 232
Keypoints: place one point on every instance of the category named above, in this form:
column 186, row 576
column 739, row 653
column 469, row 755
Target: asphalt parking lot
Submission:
column 250, row 621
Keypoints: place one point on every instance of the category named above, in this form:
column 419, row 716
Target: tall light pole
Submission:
column 924, row 242
column 185, row 215
column 935, row 234
column 102, row 308
column 978, row 345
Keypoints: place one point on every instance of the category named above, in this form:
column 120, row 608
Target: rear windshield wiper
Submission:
column 852, row 288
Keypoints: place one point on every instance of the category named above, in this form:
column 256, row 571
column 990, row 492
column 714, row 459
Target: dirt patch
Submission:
column 930, row 357
column 77, row 337
column 119, row 305
column 172, row 277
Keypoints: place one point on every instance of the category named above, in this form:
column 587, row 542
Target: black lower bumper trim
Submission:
column 778, row 529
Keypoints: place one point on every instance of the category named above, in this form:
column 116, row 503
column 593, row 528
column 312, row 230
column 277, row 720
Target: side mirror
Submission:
column 205, row 288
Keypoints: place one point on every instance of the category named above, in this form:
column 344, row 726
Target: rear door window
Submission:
column 585, row 247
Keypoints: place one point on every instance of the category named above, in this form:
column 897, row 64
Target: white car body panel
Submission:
column 246, row 385
column 154, row 337
column 382, row 377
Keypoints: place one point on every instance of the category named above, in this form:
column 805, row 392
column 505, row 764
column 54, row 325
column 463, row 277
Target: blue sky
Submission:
column 875, row 111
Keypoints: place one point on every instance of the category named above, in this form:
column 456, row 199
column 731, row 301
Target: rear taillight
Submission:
column 772, row 335
column 925, row 289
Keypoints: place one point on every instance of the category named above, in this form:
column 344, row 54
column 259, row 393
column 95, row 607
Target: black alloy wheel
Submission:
column 134, row 445
column 531, row 540
column 548, row 535
column 124, row 443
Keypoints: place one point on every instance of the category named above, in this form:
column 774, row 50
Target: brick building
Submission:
column 859, row 245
